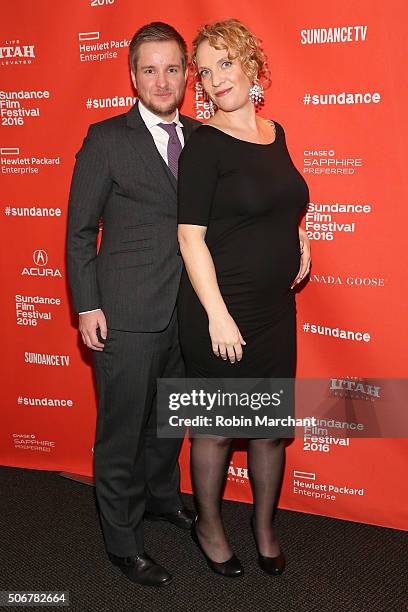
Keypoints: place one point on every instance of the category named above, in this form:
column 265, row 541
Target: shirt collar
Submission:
column 151, row 119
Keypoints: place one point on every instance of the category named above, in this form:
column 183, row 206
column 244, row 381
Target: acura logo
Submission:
column 40, row 257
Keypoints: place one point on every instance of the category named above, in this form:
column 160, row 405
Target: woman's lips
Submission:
column 223, row 92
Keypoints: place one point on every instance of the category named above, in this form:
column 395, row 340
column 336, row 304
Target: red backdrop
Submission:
column 337, row 88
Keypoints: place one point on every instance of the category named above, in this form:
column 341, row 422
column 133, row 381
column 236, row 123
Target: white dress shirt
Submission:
column 160, row 137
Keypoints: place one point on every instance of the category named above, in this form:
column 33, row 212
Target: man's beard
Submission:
column 167, row 110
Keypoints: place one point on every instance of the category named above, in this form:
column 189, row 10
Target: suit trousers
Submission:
column 134, row 470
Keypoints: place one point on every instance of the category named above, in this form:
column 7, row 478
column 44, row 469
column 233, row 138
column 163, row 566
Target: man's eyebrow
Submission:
column 168, row 66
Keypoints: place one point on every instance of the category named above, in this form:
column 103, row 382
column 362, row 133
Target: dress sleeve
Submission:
column 279, row 130
column 197, row 178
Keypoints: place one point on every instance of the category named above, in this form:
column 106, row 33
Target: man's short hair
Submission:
column 157, row 31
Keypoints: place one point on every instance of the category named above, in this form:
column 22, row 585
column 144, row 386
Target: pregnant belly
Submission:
column 263, row 263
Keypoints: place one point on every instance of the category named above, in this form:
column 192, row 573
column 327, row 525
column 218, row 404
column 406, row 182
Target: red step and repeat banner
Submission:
column 337, row 88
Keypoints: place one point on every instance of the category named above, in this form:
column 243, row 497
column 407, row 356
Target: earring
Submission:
column 256, row 93
column 211, row 107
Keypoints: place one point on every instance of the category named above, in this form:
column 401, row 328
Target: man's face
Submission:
column 159, row 79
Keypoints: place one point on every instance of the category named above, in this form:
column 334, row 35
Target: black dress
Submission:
column 250, row 197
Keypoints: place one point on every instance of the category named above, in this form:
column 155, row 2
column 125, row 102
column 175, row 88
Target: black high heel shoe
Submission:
column 231, row 568
column 273, row 566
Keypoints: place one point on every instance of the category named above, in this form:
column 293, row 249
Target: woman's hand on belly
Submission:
column 226, row 339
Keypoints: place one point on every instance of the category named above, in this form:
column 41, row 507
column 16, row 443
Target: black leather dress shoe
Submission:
column 231, row 568
column 142, row 570
column 273, row 566
column 182, row 518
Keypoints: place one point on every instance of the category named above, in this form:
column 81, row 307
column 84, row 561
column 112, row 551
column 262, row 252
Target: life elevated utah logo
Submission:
column 40, row 259
column 13, row 52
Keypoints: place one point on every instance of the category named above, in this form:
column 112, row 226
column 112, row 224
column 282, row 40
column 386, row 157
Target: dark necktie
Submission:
column 173, row 147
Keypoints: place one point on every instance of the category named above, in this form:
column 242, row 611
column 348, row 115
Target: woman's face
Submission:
column 223, row 79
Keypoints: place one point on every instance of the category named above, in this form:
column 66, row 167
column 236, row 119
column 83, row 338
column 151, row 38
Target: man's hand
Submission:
column 305, row 257
column 88, row 324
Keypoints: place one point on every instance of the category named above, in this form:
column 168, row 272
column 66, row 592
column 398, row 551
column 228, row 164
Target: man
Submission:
column 125, row 174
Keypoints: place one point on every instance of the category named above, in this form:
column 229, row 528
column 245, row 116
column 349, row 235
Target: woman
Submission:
column 240, row 198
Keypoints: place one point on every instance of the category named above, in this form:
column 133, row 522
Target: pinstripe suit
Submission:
column 119, row 176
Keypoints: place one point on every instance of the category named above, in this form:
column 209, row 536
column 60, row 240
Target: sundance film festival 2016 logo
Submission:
column 15, row 106
column 347, row 407
column 32, row 309
column 40, row 259
column 325, row 220
column 333, row 426
column 96, row 3
column 202, row 104
column 13, row 53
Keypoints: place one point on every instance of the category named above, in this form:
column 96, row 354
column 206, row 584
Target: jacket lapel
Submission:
column 143, row 144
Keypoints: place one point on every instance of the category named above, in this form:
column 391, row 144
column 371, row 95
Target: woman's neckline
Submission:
column 258, row 144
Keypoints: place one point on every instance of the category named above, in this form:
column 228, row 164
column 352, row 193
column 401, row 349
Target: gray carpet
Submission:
column 51, row 540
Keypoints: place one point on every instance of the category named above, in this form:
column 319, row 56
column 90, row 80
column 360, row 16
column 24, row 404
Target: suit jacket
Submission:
column 121, row 178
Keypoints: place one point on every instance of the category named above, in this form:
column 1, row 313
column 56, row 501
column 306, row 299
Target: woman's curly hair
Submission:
column 240, row 43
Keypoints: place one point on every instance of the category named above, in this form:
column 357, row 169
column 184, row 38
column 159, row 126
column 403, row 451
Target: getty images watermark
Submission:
column 282, row 407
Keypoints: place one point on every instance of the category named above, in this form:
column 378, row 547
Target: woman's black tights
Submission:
column 209, row 462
